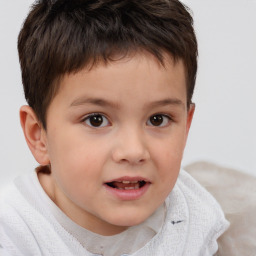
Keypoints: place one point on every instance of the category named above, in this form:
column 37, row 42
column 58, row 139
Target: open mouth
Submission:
column 127, row 185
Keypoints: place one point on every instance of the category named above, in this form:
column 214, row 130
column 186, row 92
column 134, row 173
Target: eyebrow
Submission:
column 94, row 101
column 167, row 101
column 105, row 103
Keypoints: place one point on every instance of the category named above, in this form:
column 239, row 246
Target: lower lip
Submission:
column 129, row 194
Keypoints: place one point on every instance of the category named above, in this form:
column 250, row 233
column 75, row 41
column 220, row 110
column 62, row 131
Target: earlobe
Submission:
column 35, row 135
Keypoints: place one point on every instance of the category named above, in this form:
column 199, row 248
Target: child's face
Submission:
column 115, row 138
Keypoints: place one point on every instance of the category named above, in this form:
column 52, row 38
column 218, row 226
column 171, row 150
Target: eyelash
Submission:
column 166, row 119
column 87, row 118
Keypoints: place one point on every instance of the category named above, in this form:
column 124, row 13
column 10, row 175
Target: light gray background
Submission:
column 224, row 125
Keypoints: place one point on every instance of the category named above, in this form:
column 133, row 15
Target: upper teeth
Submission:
column 128, row 182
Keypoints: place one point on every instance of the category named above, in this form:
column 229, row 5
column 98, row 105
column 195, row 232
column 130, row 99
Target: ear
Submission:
column 190, row 115
column 35, row 135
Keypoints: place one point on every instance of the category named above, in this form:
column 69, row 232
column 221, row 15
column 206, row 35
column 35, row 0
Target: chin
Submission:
column 129, row 220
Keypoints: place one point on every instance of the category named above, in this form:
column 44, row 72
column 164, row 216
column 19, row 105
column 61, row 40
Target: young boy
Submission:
column 109, row 86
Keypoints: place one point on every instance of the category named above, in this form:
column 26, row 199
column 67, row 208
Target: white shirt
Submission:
column 188, row 224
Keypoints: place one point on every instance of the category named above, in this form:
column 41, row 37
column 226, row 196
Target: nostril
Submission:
column 132, row 157
column 132, row 151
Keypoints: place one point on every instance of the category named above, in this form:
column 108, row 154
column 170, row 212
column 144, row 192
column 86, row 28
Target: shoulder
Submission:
column 20, row 220
column 194, row 221
column 13, row 201
column 236, row 193
column 8, row 207
column 14, row 231
column 27, row 223
column 199, row 200
column 205, row 218
column 196, row 194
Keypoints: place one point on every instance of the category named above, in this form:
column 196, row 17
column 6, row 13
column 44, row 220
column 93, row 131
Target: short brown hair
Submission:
column 63, row 36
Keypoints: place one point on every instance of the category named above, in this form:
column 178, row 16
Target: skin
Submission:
column 126, row 93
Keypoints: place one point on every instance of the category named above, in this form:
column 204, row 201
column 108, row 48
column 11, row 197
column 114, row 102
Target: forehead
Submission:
column 126, row 76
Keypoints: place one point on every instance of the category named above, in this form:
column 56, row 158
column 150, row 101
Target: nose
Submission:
column 130, row 147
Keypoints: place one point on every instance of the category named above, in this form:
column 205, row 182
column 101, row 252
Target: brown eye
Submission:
column 158, row 120
column 96, row 120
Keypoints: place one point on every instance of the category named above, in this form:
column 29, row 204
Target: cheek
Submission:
column 79, row 174
column 74, row 148
column 169, row 150
column 77, row 159
column 168, row 171
column 169, row 168
column 167, row 158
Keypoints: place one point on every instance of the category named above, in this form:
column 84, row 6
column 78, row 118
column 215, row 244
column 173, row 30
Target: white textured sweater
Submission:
column 28, row 224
